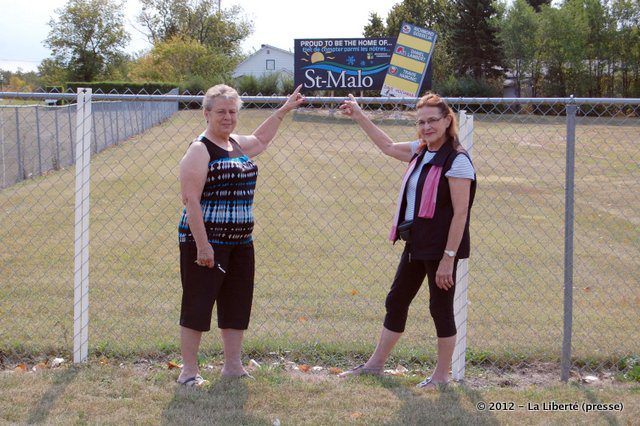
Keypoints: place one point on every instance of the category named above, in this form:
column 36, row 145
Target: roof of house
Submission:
column 264, row 46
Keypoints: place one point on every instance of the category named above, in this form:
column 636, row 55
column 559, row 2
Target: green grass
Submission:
column 323, row 208
column 145, row 392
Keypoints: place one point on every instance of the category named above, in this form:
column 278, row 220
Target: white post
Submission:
column 81, row 268
column 4, row 169
column 460, row 303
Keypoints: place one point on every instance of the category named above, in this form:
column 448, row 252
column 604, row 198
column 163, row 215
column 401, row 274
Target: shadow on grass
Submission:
column 41, row 410
column 419, row 407
column 221, row 402
column 608, row 417
column 475, row 397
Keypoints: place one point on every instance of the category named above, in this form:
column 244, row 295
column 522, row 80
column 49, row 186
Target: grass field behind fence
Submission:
column 323, row 208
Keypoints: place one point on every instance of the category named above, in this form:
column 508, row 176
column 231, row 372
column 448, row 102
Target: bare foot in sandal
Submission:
column 235, row 372
column 195, row 381
column 430, row 384
column 244, row 375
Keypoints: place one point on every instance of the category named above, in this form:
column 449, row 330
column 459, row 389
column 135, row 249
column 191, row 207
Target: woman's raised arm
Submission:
column 258, row 141
column 400, row 151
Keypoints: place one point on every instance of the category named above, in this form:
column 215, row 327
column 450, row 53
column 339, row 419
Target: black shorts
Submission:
column 203, row 286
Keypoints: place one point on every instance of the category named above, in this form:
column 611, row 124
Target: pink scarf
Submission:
column 428, row 199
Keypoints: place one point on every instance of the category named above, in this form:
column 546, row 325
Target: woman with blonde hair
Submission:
column 432, row 217
column 217, row 182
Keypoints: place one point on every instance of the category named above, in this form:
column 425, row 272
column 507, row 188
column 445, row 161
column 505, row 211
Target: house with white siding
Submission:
column 267, row 60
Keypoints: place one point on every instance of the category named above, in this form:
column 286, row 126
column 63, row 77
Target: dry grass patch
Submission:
column 146, row 393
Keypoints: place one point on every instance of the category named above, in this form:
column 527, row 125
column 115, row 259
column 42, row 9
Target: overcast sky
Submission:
column 24, row 24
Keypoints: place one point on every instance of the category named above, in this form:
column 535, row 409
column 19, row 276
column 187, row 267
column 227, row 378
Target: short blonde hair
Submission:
column 220, row 91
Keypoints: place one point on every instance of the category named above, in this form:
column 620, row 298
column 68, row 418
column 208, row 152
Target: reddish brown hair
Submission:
column 433, row 100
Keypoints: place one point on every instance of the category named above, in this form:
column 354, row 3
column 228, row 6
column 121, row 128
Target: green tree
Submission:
column 537, row 4
column 16, row 84
column 20, row 80
column 432, row 14
column 517, row 34
column 474, row 39
column 562, row 43
column 625, row 47
column 163, row 18
column 550, row 45
column 53, row 73
column 435, row 15
column 375, row 27
column 200, row 20
column 87, row 38
column 598, row 25
column 180, row 60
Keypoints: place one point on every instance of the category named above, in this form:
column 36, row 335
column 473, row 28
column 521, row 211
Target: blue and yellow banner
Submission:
column 409, row 61
column 342, row 63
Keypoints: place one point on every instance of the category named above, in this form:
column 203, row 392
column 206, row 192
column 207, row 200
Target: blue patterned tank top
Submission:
column 227, row 197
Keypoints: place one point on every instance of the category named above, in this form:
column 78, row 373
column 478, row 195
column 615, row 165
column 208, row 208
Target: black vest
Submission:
column 429, row 236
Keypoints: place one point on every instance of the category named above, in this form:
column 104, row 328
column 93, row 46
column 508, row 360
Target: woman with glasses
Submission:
column 432, row 217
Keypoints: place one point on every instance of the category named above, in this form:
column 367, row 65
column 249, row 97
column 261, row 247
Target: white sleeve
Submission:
column 461, row 168
column 414, row 146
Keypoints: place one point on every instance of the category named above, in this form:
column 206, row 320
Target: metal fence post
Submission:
column 103, row 127
column 126, row 113
column 38, row 140
column 21, row 175
column 117, row 128
column 4, row 168
column 70, row 121
column 460, row 302
column 57, row 157
column 81, row 259
column 565, row 364
column 94, row 131
column 112, row 138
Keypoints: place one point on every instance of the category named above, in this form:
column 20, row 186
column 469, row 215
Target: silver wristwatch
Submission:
column 450, row 253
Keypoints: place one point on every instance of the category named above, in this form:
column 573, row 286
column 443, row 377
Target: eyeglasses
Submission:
column 430, row 121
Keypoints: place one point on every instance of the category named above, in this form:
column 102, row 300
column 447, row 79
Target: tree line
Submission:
column 194, row 44
column 586, row 48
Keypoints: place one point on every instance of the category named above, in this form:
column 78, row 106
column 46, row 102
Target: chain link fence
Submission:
column 36, row 139
column 323, row 206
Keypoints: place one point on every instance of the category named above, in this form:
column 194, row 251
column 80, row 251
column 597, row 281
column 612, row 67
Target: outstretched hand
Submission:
column 294, row 100
column 350, row 108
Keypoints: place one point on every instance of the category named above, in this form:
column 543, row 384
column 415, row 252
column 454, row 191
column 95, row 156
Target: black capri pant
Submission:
column 407, row 282
column 231, row 290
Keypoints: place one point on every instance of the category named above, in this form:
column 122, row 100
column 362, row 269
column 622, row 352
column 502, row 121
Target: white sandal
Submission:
column 195, row 381
column 429, row 382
